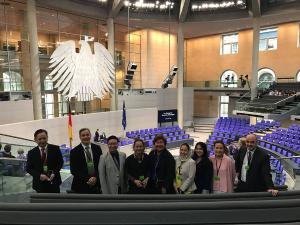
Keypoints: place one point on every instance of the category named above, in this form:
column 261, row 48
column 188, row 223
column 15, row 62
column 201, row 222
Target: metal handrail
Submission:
column 20, row 138
column 243, row 96
column 288, row 98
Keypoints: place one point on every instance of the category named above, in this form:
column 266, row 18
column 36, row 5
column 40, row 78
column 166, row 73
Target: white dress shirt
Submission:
column 46, row 151
column 245, row 164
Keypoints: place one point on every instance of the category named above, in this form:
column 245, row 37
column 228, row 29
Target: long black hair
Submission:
column 204, row 148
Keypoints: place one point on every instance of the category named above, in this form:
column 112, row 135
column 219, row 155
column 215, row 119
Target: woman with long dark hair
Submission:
column 204, row 169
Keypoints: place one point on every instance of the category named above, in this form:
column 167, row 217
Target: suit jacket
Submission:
column 188, row 170
column 35, row 166
column 163, row 170
column 79, row 170
column 111, row 178
column 259, row 176
column 204, row 175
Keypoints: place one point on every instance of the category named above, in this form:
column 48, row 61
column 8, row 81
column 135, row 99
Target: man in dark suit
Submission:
column 84, row 160
column 44, row 163
column 253, row 168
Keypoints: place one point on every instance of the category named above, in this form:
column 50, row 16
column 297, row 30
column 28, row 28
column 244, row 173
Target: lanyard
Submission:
column 218, row 168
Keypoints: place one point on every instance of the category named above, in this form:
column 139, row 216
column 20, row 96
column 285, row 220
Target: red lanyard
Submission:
column 218, row 168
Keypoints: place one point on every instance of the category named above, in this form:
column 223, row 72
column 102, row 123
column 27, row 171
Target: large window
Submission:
column 266, row 77
column 12, row 81
column 298, row 76
column 229, row 44
column 13, row 43
column 228, row 79
column 49, row 106
column 268, row 39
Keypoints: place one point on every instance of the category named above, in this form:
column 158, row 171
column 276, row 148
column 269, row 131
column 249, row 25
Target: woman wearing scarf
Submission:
column 185, row 171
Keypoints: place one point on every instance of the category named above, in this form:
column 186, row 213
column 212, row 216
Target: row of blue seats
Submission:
column 233, row 119
column 289, row 144
column 288, row 137
column 151, row 136
column 279, row 150
column 288, row 134
column 155, row 130
column 295, row 145
column 280, row 176
column 225, row 135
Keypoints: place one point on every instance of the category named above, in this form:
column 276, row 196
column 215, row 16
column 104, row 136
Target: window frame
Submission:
column 229, row 43
column 267, row 39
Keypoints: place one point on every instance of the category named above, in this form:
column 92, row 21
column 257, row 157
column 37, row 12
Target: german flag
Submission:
column 70, row 126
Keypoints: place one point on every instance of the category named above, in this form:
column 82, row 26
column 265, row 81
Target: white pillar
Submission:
column 180, row 63
column 255, row 58
column 34, row 60
column 111, row 49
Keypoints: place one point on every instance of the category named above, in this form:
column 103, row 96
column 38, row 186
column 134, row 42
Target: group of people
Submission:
column 154, row 173
column 6, row 153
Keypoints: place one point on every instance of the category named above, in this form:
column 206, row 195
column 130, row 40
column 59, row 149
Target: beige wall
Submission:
column 204, row 62
column 285, row 61
column 155, row 57
column 205, row 106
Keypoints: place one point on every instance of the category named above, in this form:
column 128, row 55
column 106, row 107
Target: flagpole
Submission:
column 70, row 125
column 124, row 122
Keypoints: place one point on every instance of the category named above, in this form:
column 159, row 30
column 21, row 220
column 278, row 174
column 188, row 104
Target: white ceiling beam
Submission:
column 116, row 7
column 184, row 7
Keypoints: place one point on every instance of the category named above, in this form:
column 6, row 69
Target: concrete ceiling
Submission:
column 269, row 12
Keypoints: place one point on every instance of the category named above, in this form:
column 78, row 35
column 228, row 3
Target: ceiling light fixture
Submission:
column 208, row 5
column 141, row 4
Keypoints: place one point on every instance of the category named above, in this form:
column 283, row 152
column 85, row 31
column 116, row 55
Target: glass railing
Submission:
column 16, row 143
column 13, row 177
column 213, row 84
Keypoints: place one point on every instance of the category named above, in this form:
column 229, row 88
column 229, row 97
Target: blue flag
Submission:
column 124, row 116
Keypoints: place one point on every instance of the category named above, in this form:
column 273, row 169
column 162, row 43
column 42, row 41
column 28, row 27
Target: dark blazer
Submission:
column 204, row 175
column 134, row 171
column 259, row 176
column 35, row 166
column 79, row 170
column 164, row 169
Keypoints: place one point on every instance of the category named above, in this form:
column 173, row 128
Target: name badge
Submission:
column 90, row 165
column 45, row 168
column 216, row 178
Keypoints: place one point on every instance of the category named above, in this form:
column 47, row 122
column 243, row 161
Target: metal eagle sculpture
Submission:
column 83, row 75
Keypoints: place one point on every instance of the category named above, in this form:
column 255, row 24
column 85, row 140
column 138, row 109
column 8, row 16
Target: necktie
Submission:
column 90, row 164
column 88, row 154
column 249, row 157
column 43, row 155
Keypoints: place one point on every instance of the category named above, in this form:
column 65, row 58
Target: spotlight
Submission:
column 131, row 68
column 169, row 79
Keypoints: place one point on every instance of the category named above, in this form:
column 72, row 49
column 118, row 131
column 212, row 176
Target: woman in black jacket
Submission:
column 137, row 169
column 204, row 169
column 162, row 168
